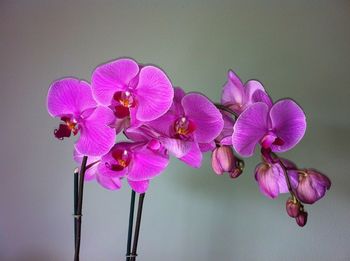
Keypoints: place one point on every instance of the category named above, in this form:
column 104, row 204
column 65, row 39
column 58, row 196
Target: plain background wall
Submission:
column 298, row 49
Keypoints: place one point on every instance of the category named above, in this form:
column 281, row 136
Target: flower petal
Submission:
column 267, row 178
column 206, row 117
column 249, row 128
column 154, row 94
column 177, row 147
column 194, row 157
column 251, row 87
column 146, row 164
column 109, row 182
column 289, row 123
column 92, row 164
column 112, row 77
column 96, row 137
column 139, row 186
column 262, row 96
column 233, row 91
column 225, row 137
column 69, row 96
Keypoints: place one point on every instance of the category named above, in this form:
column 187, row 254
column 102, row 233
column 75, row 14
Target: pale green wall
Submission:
column 298, row 49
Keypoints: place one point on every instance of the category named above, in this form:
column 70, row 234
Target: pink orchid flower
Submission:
column 91, row 173
column 278, row 126
column 138, row 162
column 71, row 100
column 192, row 121
column 236, row 95
column 133, row 92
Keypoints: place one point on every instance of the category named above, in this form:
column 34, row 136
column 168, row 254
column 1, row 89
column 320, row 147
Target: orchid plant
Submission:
column 157, row 120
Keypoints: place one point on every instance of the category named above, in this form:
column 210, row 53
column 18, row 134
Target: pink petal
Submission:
column 112, row 77
column 262, row 96
column 96, row 137
column 177, row 147
column 250, row 88
column 194, row 157
column 90, row 173
column 69, row 96
column 225, row 137
column 146, row 164
column 205, row 147
column 267, row 178
column 233, row 91
column 249, row 128
column 289, row 123
column 139, row 186
column 108, row 182
column 154, row 94
column 165, row 124
column 206, row 117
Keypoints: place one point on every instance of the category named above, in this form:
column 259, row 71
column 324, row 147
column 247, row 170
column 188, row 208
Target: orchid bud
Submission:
column 223, row 160
column 293, row 207
column 301, row 219
column 237, row 171
column 312, row 186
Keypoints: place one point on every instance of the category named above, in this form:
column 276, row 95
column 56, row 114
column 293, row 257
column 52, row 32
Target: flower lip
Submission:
column 64, row 130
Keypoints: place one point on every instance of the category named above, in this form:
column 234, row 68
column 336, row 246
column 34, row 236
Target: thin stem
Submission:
column 131, row 221
column 137, row 227
column 76, row 177
column 224, row 108
column 289, row 185
column 79, row 207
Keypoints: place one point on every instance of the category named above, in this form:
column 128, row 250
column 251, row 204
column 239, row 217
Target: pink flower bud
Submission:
column 223, row 160
column 301, row 219
column 293, row 207
column 312, row 186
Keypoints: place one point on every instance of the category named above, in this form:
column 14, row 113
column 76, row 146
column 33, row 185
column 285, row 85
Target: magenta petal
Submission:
column 109, row 182
column 154, row 94
column 205, row 147
column 251, row 87
column 233, row 91
column 262, row 96
column 69, row 96
column 96, row 137
column 177, row 147
column 205, row 116
column 146, row 164
column 92, row 164
column 267, row 178
column 193, row 157
column 225, row 137
column 139, row 186
column 249, row 128
column 289, row 123
column 111, row 77
column 165, row 124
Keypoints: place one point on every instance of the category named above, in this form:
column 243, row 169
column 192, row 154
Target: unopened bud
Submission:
column 293, row 207
column 223, row 160
column 301, row 219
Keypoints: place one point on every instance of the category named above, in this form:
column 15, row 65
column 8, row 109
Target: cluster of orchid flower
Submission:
column 158, row 119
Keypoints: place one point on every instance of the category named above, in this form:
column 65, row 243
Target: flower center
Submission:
column 126, row 99
column 271, row 139
column 184, row 126
column 122, row 158
column 65, row 130
column 123, row 102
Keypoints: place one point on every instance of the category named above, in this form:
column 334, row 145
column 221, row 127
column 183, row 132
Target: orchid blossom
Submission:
column 71, row 100
column 132, row 91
